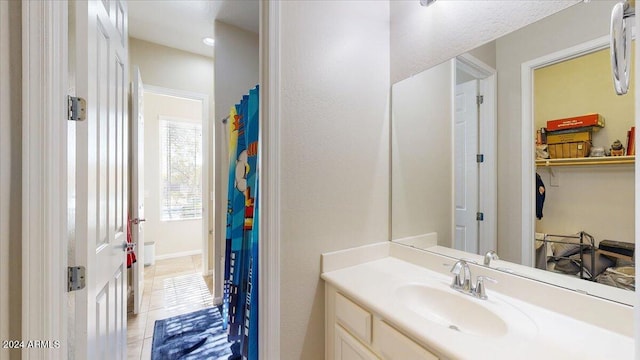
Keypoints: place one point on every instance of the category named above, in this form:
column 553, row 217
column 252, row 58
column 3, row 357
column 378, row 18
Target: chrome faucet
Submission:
column 490, row 255
column 462, row 281
column 462, row 276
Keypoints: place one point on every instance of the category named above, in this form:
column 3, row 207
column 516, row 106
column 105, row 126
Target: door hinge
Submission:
column 480, row 99
column 480, row 158
column 77, row 108
column 479, row 216
column 75, row 278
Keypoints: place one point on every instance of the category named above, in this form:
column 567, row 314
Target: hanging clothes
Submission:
column 540, row 195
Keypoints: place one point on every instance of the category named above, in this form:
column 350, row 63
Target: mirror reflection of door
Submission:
column 465, row 135
column 474, row 156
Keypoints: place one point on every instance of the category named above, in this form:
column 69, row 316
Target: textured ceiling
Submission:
column 182, row 24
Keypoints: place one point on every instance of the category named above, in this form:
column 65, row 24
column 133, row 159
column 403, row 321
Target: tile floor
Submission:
column 171, row 287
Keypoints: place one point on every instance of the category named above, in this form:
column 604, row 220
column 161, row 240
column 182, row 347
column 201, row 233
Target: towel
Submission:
column 131, row 254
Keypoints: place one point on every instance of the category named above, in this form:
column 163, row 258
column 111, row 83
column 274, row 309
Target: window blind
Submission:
column 181, row 170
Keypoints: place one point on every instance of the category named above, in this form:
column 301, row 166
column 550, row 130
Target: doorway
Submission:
column 175, row 174
column 60, row 48
column 604, row 216
column 174, row 262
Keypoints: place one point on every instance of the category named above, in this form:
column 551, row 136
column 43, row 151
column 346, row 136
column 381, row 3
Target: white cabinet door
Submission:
column 393, row 345
column 348, row 348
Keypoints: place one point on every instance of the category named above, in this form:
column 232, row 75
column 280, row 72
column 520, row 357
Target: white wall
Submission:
column 10, row 175
column 335, row 151
column 583, row 22
column 176, row 236
column 421, row 163
column 236, row 72
column 486, row 53
column 180, row 70
column 422, row 37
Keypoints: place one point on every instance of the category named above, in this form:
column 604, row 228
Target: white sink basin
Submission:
column 461, row 312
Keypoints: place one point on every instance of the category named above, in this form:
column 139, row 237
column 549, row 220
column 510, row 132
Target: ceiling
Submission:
column 182, row 24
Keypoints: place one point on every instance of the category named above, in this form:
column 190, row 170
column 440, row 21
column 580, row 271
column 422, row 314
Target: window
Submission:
column 181, row 170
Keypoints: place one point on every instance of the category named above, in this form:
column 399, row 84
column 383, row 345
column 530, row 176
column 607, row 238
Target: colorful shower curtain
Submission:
column 240, row 301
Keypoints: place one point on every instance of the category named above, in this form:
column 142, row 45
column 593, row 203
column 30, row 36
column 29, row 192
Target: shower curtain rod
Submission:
column 224, row 121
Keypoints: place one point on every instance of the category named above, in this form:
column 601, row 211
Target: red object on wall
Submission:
column 631, row 141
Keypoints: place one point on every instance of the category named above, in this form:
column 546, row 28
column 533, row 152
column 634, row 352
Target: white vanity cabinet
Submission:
column 353, row 332
column 379, row 304
column 346, row 347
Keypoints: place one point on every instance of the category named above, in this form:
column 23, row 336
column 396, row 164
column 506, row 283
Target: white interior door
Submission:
column 137, row 186
column 466, row 166
column 101, row 152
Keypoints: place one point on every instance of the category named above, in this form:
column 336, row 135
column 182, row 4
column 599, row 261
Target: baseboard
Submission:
column 207, row 273
column 179, row 254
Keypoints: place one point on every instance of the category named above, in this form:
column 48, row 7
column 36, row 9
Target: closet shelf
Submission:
column 609, row 160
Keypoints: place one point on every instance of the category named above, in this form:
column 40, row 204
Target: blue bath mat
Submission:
column 196, row 335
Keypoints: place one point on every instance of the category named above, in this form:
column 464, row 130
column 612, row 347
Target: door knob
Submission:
column 137, row 221
column 128, row 247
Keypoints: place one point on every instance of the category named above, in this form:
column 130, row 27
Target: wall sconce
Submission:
column 620, row 45
column 426, row 2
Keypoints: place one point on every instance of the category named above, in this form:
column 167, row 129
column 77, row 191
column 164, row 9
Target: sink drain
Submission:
column 453, row 327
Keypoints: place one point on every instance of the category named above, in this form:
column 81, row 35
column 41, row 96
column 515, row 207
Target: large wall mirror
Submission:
column 464, row 156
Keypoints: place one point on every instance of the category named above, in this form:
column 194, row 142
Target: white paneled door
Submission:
column 137, row 185
column 466, row 166
column 100, row 37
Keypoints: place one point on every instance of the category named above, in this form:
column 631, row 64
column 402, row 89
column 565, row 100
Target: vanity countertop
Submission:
column 533, row 332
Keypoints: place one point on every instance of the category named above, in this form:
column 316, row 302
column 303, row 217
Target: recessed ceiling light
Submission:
column 208, row 41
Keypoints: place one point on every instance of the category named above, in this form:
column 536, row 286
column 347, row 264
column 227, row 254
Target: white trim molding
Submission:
column 269, row 188
column 5, row 168
column 528, row 153
column 44, row 174
column 636, row 312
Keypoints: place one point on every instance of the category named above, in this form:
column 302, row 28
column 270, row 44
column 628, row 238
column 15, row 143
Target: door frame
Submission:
column 487, row 145
column 269, row 150
column 44, row 176
column 206, row 198
column 528, row 131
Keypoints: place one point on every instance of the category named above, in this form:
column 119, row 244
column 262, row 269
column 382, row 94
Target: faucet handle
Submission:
column 480, row 290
